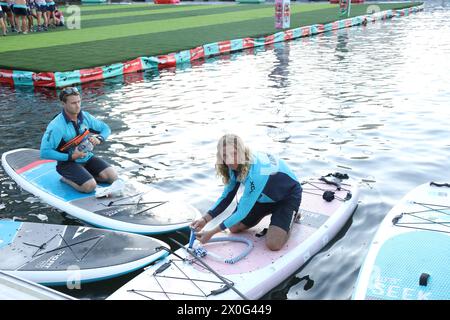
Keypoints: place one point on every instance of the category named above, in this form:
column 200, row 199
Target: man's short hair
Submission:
column 69, row 91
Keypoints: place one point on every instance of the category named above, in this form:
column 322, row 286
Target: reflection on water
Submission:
column 370, row 101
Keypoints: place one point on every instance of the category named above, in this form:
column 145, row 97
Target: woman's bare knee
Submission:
column 276, row 238
column 274, row 245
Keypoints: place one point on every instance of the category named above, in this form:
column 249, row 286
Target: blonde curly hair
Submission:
column 231, row 145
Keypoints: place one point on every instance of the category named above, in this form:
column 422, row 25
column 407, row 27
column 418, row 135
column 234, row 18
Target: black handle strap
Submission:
column 435, row 184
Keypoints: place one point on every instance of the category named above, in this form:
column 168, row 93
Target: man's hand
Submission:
column 94, row 140
column 76, row 155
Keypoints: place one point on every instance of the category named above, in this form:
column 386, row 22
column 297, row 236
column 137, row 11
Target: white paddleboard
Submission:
column 141, row 209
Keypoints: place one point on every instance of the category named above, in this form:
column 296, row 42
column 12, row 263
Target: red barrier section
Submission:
column 6, row 77
column 166, row 1
column 44, row 79
column 248, row 43
column 320, row 28
column 353, row 1
column 132, row 65
column 225, row 46
column 269, row 39
column 288, row 35
column 167, row 61
column 197, row 53
column 88, row 75
column 306, row 31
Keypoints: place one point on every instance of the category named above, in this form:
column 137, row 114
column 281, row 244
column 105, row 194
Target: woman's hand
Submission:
column 204, row 237
column 199, row 224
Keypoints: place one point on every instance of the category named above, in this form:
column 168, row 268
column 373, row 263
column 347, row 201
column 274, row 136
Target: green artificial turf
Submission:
column 117, row 33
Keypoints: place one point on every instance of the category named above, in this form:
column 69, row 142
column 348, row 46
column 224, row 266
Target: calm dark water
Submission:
column 371, row 101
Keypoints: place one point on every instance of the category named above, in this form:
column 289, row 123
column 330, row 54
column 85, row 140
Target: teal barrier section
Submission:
column 23, row 78
column 113, row 70
column 183, row 56
column 149, row 63
column 63, row 79
column 211, row 49
column 237, row 44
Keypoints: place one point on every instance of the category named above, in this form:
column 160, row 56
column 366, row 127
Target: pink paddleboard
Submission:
column 182, row 276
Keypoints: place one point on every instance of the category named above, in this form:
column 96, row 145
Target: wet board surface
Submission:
column 409, row 256
column 141, row 209
column 55, row 254
column 261, row 270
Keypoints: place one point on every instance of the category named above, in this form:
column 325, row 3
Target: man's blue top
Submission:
column 269, row 180
column 61, row 130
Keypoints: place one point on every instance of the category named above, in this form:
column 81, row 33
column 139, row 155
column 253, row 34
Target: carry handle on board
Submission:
column 440, row 184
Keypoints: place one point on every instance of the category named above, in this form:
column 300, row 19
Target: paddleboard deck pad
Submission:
column 140, row 209
column 181, row 276
column 58, row 254
column 409, row 256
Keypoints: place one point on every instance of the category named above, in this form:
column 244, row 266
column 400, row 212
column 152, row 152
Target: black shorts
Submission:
column 80, row 173
column 1, row 14
column 41, row 8
column 19, row 11
column 51, row 8
column 6, row 9
column 282, row 213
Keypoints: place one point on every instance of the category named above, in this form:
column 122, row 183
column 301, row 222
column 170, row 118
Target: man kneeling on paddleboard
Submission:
column 270, row 188
column 70, row 138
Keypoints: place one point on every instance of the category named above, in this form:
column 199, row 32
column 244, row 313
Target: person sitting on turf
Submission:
column 67, row 140
column 59, row 18
column 270, row 188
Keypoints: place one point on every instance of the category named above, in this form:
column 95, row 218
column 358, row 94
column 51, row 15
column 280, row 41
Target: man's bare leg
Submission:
column 108, row 175
column 87, row 187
